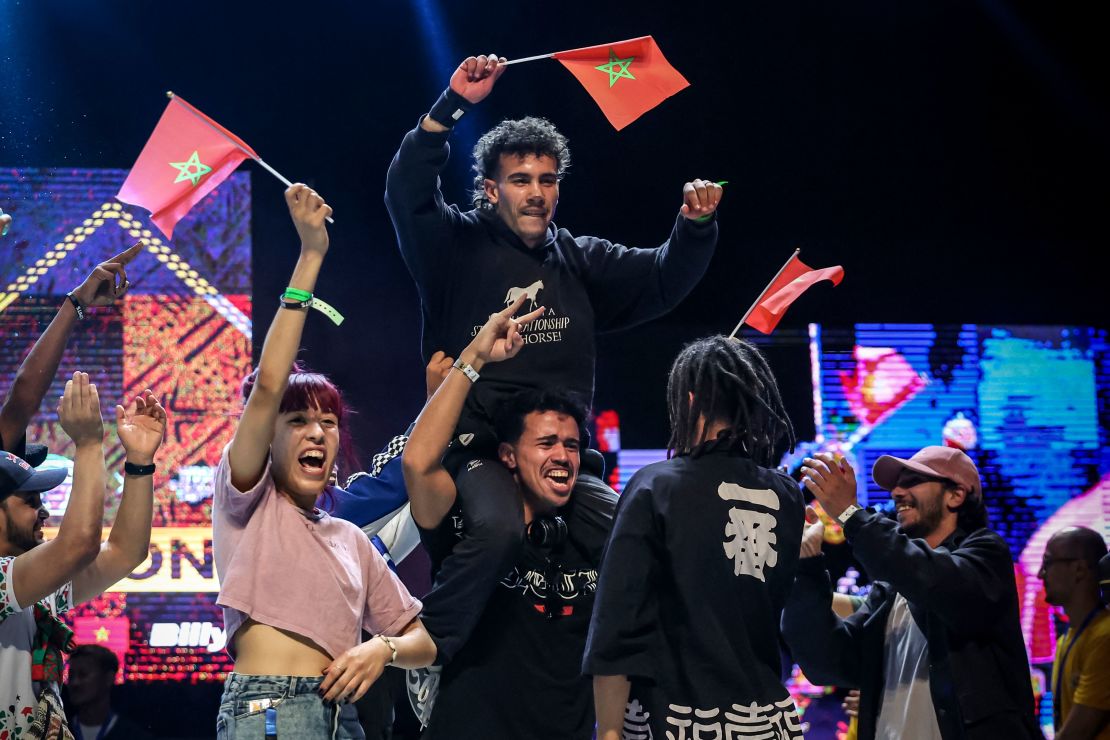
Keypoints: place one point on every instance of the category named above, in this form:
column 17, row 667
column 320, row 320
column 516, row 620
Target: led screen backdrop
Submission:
column 1028, row 403
column 184, row 331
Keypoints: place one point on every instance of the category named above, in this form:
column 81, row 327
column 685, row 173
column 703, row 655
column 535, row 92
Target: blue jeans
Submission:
column 256, row 707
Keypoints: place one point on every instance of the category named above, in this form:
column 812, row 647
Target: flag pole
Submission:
column 255, row 157
column 528, row 59
column 760, row 298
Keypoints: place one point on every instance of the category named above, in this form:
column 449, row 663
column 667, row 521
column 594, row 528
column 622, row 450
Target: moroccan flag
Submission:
column 627, row 79
column 794, row 279
column 186, row 157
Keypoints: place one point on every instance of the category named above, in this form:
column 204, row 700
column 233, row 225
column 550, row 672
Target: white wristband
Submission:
column 847, row 513
column 467, row 370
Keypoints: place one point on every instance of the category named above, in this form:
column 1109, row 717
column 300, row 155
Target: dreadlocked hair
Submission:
column 731, row 382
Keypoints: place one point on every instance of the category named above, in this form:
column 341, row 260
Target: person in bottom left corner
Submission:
column 40, row 580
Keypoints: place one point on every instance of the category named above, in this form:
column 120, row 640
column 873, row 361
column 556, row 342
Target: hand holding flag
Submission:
column 475, row 77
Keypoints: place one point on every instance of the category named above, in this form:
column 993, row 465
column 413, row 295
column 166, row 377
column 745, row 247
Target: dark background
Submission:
column 951, row 155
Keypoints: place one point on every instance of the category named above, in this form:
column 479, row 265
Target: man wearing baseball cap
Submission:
column 39, row 580
column 936, row 649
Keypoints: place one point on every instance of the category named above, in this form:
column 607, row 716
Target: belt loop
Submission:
column 292, row 691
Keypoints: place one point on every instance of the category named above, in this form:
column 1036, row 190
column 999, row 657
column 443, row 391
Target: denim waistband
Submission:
column 286, row 685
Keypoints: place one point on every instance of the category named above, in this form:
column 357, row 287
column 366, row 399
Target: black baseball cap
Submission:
column 16, row 474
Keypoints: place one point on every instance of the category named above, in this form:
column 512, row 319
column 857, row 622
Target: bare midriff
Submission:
column 262, row 650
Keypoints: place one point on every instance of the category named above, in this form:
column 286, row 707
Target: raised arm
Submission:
column 251, row 444
column 141, row 427
column 422, row 219
column 430, row 488
column 472, row 81
column 46, row 568
column 106, row 284
column 628, row 286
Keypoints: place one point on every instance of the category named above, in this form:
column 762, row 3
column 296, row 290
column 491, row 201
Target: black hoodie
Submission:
column 468, row 264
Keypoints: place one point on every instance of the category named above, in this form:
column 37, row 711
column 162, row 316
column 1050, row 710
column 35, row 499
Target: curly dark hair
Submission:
column 731, row 382
column 529, row 135
column 508, row 422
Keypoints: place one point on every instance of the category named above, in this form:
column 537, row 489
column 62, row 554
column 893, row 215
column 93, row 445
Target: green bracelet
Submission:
column 296, row 294
column 298, row 298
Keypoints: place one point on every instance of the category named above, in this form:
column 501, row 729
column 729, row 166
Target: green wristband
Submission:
column 307, row 300
column 296, row 294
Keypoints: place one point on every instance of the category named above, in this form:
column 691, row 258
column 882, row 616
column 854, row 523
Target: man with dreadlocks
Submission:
column 700, row 563
column 470, row 263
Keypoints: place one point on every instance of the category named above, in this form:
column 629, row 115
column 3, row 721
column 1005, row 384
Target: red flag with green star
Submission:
column 626, row 79
column 186, row 157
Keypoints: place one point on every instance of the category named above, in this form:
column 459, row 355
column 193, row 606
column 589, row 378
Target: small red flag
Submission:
column 795, row 278
column 626, row 79
column 186, row 157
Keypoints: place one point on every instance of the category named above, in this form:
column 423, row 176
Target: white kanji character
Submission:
column 680, row 722
column 751, row 544
column 710, row 731
column 636, row 725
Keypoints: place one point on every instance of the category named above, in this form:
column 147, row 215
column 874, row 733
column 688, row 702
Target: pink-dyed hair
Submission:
column 307, row 390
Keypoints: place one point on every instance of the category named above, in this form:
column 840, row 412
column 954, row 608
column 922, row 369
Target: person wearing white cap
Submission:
column 40, row 580
column 936, row 649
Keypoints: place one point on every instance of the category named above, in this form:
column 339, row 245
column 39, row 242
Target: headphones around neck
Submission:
column 547, row 531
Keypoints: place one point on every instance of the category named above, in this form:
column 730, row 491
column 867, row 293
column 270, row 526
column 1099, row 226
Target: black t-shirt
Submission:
column 519, row 675
column 693, row 583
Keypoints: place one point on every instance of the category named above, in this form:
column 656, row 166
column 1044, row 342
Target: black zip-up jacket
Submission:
column 963, row 597
column 468, row 264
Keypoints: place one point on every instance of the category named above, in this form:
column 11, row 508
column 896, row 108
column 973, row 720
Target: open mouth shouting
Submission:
column 559, row 480
column 312, row 463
